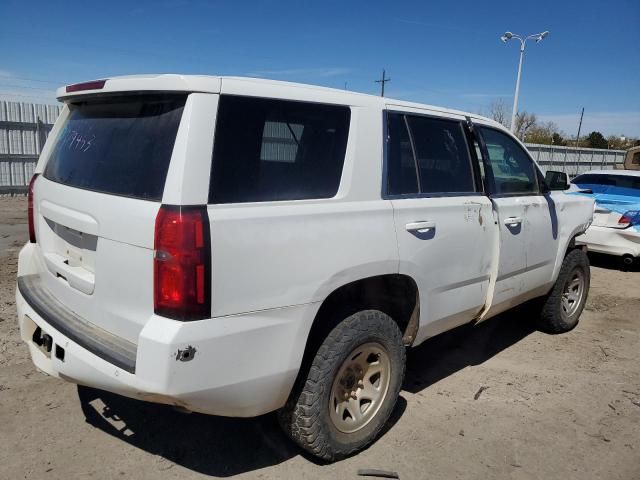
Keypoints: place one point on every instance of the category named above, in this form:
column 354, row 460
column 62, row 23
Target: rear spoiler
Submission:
column 141, row 83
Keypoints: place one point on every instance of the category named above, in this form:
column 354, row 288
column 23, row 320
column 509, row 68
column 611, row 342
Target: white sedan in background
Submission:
column 616, row 219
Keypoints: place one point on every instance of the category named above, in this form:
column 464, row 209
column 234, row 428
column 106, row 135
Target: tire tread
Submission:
column 301, row 416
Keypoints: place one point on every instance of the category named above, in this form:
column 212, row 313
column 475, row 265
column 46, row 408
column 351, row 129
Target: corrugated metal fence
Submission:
column 24, row 128
column 573, row 160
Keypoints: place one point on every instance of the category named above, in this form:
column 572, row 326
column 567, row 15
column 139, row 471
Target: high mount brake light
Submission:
column 182, row 263
column 92, row 85
column 32, row 226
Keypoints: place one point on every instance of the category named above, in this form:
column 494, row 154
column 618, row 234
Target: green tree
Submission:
column 557, row 139
column 543, row 133
column 596, row 140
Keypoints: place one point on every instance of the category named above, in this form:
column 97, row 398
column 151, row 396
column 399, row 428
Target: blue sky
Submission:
column 442, row 53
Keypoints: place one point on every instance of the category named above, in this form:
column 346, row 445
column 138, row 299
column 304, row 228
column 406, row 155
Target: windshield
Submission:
column 118, row 145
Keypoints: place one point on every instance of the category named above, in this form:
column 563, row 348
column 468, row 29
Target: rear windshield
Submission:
column 119, row 145
column 269, row 150
column 622, row 184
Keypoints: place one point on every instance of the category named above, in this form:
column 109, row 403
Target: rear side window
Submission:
column 119, row 145
column 269, row 150
column 402, row 171
column 427, row 155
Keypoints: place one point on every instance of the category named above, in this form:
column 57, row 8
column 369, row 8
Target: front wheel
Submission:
column 350, row 389
column 561, row 308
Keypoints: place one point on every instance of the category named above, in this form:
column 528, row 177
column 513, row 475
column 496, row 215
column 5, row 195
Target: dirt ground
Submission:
column 564, row 406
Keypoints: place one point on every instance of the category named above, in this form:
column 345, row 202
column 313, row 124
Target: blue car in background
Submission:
column 616, row 218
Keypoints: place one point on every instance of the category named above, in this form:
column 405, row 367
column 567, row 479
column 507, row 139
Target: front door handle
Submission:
column 512, row 221
column 422, row 226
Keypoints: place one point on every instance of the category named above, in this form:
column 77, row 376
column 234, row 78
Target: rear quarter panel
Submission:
column 271, row 256
column 278, row 254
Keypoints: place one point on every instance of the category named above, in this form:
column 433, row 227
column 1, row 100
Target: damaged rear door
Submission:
column 444, row 223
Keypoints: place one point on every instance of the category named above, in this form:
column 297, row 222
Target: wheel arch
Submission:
column 395, row 294
column 570, row 244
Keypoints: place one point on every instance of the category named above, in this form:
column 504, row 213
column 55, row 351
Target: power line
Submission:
column 9, row 94
column 27, row 79
column 382, row 81
column 26, row 87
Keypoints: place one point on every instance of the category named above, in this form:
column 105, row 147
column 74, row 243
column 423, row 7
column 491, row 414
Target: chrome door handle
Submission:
column 512, row 221
column 420, row 227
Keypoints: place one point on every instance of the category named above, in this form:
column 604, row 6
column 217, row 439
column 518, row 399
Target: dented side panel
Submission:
column 451, row 262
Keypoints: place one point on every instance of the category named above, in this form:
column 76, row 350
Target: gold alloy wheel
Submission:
column 573, row 293
column 360, row 387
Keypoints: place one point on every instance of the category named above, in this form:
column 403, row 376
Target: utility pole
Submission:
column 578, row 141
column 579, row 127
column 382, row 81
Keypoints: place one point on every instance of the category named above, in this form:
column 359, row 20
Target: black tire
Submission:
column 553, row 318
column 306, row 418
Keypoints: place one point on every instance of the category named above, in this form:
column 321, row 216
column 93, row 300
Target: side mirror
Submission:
column 556, row 180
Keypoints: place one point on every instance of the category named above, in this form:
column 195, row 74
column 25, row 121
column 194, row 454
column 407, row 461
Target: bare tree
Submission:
column 498, row 112
column 524, row 122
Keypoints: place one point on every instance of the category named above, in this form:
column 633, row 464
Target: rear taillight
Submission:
column 182, row 263
column 32, row 226
column 632, row 217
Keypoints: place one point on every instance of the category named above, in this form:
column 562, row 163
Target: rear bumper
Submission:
column 243, row 365
column 612, row 241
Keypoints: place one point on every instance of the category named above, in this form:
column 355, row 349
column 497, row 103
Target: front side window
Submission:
column 512, row 170
column 269, row 150
column 427, row 155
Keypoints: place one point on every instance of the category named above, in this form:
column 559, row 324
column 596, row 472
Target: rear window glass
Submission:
column 119, row 145
column 611, row 180
column 268, row 150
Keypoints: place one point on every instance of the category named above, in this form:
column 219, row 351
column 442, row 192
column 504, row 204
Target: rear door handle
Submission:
column 511, row 221
column 420, row 227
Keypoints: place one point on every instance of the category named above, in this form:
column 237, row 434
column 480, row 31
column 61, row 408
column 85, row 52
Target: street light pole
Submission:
column 514, row 110
column 523, row 41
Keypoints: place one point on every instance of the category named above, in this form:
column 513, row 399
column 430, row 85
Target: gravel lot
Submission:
column 564, row 406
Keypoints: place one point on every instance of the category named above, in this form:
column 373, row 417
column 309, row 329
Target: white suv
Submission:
column 235, row 246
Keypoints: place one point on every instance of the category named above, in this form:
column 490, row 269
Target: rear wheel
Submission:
column 562, row 307
column 351, row 388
